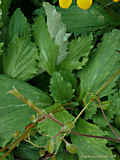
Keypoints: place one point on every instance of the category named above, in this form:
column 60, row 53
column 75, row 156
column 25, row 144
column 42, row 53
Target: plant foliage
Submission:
column 59, row 81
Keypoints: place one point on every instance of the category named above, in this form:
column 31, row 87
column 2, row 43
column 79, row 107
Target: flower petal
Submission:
column 65, row 3
column 84, row 4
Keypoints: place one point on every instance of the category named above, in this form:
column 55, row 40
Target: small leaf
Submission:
column 61, row 90
column 68, row 126
column 78, row 49
column 71, row 148
column 70, row 77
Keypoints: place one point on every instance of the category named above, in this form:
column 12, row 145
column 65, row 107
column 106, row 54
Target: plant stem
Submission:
column 93, row 136
column 78, row 116
column 105, row 117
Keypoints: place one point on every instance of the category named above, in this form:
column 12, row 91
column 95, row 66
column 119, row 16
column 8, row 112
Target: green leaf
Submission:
column 91, row 110
column 69, row 77
column 50, row 146
column 78, row 49
column 1, row 154
column 61, row 90
column 13, row 111
column 51, row 128
column 101, row 67
column 18, row 26
column 90, row 148
column 39, row 140
column 114, row 106
column 71, row 148
column 84, row 21
column 111, row 108
column 99, row 120
column 57, row 30
column 20, row 61
column 66, row 156
column 60, row 114
column 1, row 48
column 5, row 10
column 47, row 47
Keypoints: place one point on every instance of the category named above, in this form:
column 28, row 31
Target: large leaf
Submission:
column 57, row 30
column 61, row 89
column 18, row 26
column 14, row 114
column 101, row 67
column 78, row 49
column 90, row 148
column 82, row 21
column 20, row 61
column 48, row 49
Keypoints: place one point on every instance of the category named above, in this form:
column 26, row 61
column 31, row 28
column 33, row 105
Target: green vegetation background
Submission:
column 59, row 81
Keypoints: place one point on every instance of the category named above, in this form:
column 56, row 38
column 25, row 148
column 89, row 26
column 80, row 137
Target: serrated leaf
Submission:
column 61, row 90
column 20, row 59
column 47, row 47
column 84, row 21
column 101, row 67
column 57, row 30
column 90, row 147
column 13, row 111
column 18, row 26
column 78, row 49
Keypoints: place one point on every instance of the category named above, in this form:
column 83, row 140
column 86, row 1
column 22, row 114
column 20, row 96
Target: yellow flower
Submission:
column 116, row 0
column 83, row 4
column 65, row 3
